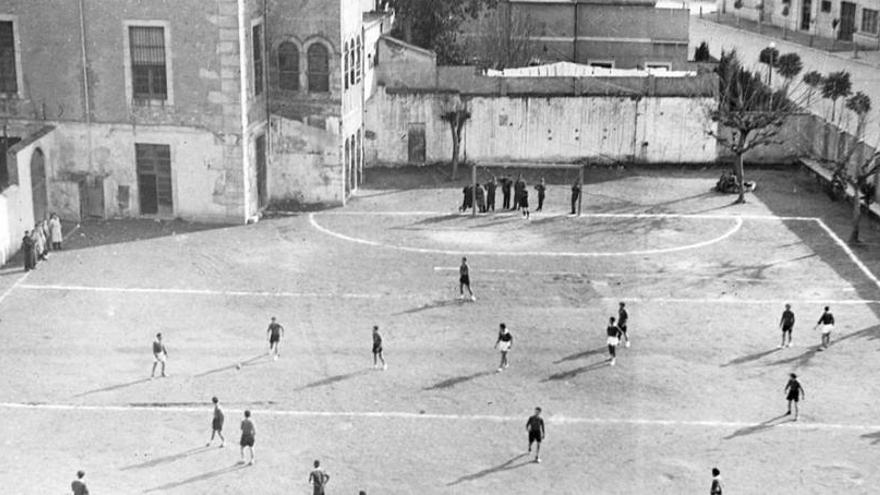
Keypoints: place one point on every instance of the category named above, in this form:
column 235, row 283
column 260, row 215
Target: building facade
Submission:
column 623, row 34
column 190, row 108
column 856, row 21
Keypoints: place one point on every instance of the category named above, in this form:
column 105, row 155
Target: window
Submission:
column 869, row 21
column 154, row 178
column 357, row 53
column 351, row 65
column 257, row 41
column 8, row 74
column 319, row 68
column 345, row 70
column 148, row 63
column 826, row 6
column 288, row 66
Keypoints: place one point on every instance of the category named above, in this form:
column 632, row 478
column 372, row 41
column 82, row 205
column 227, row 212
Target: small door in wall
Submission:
column 416, row 142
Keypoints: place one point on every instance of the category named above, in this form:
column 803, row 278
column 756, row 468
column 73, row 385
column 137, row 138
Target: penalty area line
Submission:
column 553, row 419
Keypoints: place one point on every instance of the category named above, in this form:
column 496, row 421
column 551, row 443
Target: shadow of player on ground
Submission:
column 451, row 382
column 749, row 358
column 113, row 387
column 195, row 479
column 581, row 355
column 167, row 459
column 330, row 380
column 439, row 303
column 805, row 358
column 751, row 430
column 565, row 375
column 256, row 360
column 505, row 466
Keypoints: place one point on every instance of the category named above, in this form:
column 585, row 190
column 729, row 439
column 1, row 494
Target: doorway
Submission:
column 262, row 180
column 416, row 142
column 154, row 179
column 39, row 191
column 847, row 21
column 806, row 14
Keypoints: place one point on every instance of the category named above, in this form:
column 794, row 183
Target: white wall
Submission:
column 548, row 129
column 16, row 206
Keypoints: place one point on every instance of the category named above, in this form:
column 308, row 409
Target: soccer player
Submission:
column 613, row 339
column 275, row 332
column 826, row 322
column 524, row 201
column 575, row 195
column 464, row 280
column 318, row 479
column 622, row 318
column 794, row 393
column 160, row 355
column 248, row 434
column 490, row 193
column 503, row 344
column 505, row 191
column 535, row 427
column 217, row 424
column 716, row 488
column 518, row 187
column 542, row 190
column 377, row 349
column 786, row 323
column 78, row 486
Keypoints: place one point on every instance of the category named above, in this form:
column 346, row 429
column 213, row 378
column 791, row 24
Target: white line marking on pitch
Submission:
column 13, row 286
column 199, row 292
column 241, row 293
column 440, row 417
column 584, row 215
column 738, row 224
column 849, row 252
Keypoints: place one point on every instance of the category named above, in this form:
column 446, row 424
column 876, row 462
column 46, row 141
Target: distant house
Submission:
column 839, row 19
column 622, row 34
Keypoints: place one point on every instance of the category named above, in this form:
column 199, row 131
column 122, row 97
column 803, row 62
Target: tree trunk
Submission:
column 738, row 170
column 833, row 108
column 456, row 142
column 857, row 212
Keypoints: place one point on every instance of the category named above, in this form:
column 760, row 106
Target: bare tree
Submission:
column 750, row 110
column 854, row 167
column 455, row 112
column 503, row 39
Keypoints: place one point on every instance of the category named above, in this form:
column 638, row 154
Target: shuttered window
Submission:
column 8, row 75
column 257, row 41
column 148, row 72
column 319, row 68
column 288, row 66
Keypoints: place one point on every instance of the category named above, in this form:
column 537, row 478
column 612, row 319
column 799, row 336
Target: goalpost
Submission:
column 571, row 171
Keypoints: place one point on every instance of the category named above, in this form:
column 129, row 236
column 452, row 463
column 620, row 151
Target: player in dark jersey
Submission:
column 826, row 323
column 535, row 428
column 786, row 323
column 716, row 487
column 622, row 319
column 160, row 355
column 575, row 195
column 524, row 201
column 464, row 280
column 275, row 332
column 78, row 486
column 503, row 344
column 542, row 191
column 318, row 478
column 490, row 193
column 794, row 392
column 505, row 191
column 248, row 435
column 377, row 349
column 613, row 339
column 217, row 423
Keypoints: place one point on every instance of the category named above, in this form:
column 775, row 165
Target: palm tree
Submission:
column 859, row 104
column 813, row 80
column 836, row 85
column 789, row 66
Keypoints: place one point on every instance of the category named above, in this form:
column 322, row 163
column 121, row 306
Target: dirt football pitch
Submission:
column 701, row 386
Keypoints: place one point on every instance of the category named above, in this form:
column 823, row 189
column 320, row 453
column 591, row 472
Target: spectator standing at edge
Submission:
column 575, row 195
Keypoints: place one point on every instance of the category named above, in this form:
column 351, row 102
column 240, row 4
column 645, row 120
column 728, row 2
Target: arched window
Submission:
column 319, row 68
column 351, row 64
column 358, row 61
column 288, row 66
column 346, row 61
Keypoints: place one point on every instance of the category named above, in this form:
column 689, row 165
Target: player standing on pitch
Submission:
column 275, row 332
column 613, row 332
column 503, row 344
column 464, row 280
column 826, row 322
column 160, row 355
column 786, row 323
column 217, row 423
column 622, row 319
column 377, row 349
column 535, row 427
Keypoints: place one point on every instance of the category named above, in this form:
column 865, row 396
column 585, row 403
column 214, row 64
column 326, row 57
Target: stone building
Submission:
column 202, row 109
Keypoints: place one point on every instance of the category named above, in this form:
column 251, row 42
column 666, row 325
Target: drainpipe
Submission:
column 87, row 104
column 243, row 97
column 574, row 49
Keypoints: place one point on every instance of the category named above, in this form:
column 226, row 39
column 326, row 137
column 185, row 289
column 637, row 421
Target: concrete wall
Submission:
column 16, row 204
column 549, row 129
column 304, row 165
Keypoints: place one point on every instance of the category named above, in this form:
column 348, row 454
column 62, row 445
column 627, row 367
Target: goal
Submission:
column 554, row 173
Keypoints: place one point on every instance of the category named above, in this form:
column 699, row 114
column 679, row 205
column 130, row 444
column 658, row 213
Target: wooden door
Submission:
column 416, row 142
column 39, row 191
column 847, row 21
